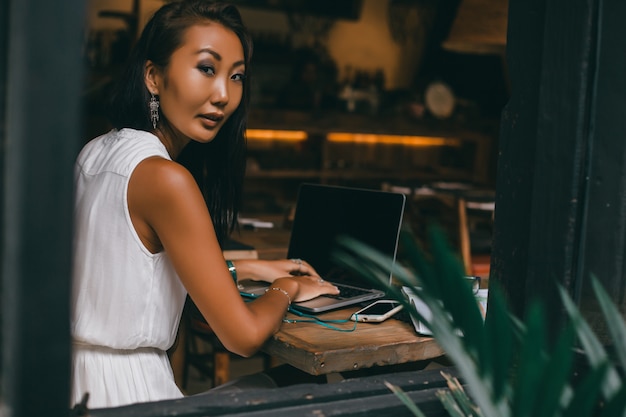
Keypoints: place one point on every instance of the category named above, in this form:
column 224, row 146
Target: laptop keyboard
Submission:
column 347, row 292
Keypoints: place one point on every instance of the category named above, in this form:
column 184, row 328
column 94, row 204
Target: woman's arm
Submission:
column 168, row 211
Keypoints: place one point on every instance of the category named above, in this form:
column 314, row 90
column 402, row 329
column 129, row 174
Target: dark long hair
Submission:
column 217, row 166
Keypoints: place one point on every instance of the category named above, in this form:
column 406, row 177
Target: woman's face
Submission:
column 203, row 83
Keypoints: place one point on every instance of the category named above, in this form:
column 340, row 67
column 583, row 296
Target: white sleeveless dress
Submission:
column 126, row 301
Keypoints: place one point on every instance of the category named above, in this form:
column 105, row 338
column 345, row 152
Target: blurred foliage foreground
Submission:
column 507, row 366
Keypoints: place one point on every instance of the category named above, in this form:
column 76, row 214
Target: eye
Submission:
column 238, row 77
column 207, row 69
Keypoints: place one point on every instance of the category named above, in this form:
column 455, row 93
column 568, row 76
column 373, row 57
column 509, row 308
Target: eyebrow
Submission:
column 218, row 57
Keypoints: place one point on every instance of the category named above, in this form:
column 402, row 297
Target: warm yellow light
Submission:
column 285, row 135
column 393, row 139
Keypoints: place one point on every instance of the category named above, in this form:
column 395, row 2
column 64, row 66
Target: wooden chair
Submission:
column 201, row 349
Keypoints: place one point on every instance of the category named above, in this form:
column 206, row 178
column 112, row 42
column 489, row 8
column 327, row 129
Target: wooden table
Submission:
column 318, row 350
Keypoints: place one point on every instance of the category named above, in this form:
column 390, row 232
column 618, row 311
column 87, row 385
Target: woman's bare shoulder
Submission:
column 159, row 181
column 162, row 175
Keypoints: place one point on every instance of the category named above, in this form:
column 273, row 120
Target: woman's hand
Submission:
column 284, row 273
column 270, row 270
column 309, row 287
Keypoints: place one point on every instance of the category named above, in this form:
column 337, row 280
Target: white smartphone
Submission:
column 377, row 312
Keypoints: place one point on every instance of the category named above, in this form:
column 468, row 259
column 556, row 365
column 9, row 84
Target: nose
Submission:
column 220, row 93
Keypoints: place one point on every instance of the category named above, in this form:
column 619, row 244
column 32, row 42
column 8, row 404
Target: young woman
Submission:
column 155, row 197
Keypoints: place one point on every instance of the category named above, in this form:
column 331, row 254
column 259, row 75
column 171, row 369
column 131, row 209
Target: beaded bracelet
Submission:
column 232, row 270
column 281, row 290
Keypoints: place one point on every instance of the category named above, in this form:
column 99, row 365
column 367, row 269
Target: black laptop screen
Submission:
column 325, row 212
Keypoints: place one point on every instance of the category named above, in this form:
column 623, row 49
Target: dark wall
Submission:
column 603, row 235
column 42, row 60
column 518, row 143
column 560, row 209
column 4, row 11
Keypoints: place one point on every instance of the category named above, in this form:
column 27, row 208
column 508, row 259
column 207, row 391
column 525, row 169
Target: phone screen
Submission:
column 379, row 308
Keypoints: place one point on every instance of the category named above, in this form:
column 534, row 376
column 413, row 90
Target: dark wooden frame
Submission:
column 364, row 396
column 43, row 67
column 560, row 208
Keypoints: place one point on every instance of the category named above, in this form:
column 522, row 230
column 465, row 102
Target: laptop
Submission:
column 323, row 213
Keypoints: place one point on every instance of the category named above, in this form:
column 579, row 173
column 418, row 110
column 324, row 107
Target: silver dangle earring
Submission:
column 154, row 110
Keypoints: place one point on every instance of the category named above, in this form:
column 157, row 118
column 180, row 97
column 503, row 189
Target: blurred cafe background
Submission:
column 388, row 94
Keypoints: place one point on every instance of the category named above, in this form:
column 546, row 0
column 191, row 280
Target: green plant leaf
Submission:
column 587, row 392
column 449, row 403
column 406, row 400
column 518, row 327
column 458, row 298
column 424, row 269
column 532, row 363
column 442, row 323
column 592, row 347
column 458, row 393
column 614, row 321
column 504, row 363
column 359, row 257
column 498, row 343
column 443, row 280
column 556, row 376
column 615, row 406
